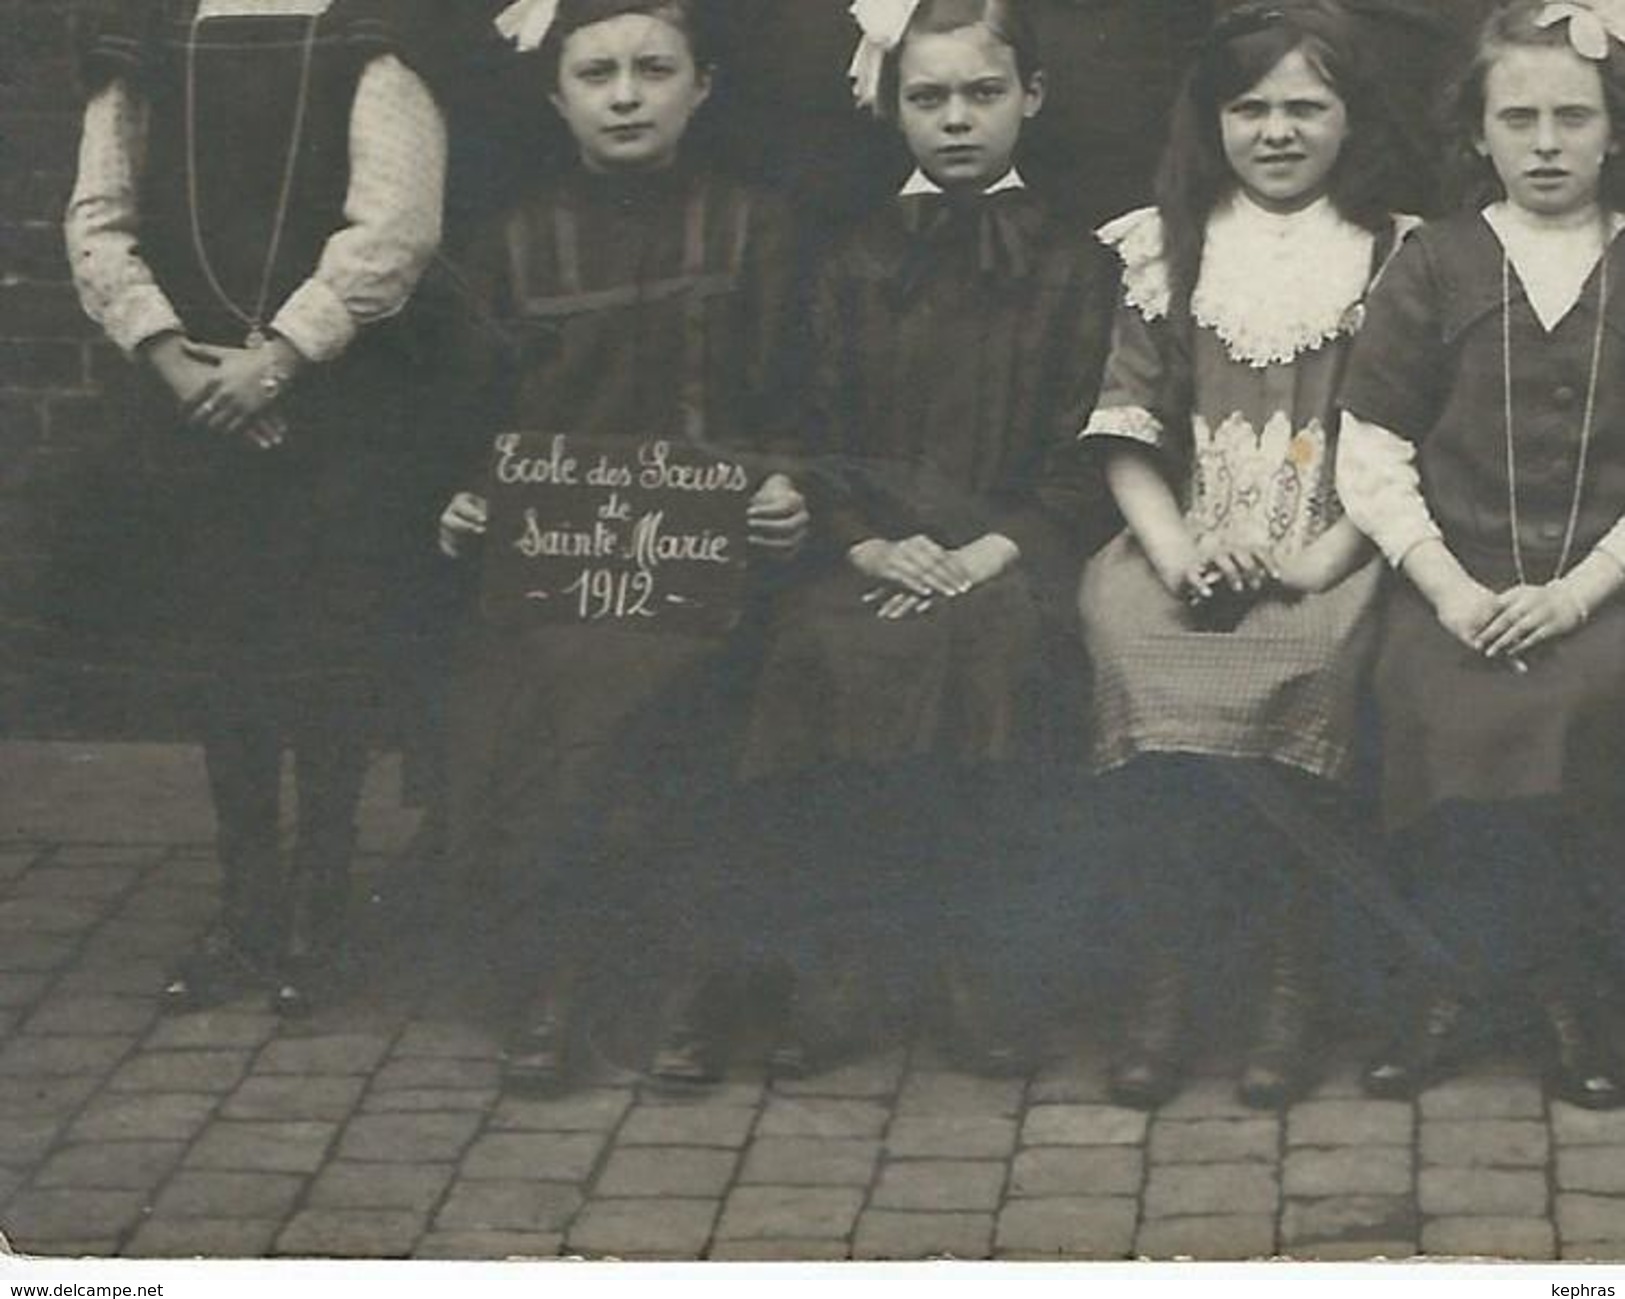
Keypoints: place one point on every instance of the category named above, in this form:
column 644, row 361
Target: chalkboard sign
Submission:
column 631, row 533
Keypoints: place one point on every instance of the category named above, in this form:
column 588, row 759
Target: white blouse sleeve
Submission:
column 1381, row 490
column 102, row 228
column 369, row 268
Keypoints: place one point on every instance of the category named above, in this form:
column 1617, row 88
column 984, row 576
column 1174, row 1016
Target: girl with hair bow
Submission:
column 920, row 679
column 633, row 295
column 1482, row 450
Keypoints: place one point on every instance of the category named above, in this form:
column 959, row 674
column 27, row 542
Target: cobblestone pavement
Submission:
column 377, row 1130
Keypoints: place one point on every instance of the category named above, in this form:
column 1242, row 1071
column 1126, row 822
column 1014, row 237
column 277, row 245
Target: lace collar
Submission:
column 1272, row 286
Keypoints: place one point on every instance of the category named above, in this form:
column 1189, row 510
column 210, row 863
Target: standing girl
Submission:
column 259, row 186
column 1484, row 451
column 634, row 295
column 959, row 333
column 1229, row 625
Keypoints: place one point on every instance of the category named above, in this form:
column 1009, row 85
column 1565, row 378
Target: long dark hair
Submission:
column 1242, row 49
column 1471, row 177
column 1006, row 19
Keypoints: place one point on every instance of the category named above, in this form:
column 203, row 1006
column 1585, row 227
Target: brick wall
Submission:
column 51, row 411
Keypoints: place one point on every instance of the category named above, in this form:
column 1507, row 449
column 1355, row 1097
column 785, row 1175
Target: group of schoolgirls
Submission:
column 976, row 428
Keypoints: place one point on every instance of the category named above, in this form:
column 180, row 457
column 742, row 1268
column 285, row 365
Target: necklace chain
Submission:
column 255, row 319
column 1585, row 424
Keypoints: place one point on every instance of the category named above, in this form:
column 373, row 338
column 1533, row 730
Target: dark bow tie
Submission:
column 985, row 229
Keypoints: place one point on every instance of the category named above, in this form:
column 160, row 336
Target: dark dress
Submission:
column 1428, row 367
column 958, row 354
column 290, row 563
column 606, row 302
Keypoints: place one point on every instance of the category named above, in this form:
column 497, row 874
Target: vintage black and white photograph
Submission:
column 792, row 630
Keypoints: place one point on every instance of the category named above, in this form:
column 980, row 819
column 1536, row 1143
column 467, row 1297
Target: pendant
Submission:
column 256, row 339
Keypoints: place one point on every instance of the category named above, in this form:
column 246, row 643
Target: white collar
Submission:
column 920, row 183
column 1275, row 285
column 1553, row 263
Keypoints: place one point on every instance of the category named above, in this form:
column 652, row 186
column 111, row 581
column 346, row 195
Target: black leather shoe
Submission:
column 316, row 970
column 827, row 1024
column 1141, row 1081
column 220, row 969
column 695, row 1049
column 540, row 1057
column 1151, row 1067
column 311, row 981
column 978, row 1037
column 1277, row 1070
column 1583, row 1070
column 1429, row 1051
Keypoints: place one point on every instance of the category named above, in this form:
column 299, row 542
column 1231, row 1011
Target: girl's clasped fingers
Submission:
column 464, row 517
column 1197, row 583
column 1245, row 568
column 902, row 571
column 777, row 515
column 894, row 604
column 238, row 392
column 218, row 410
column 1505, row 624
column 203, row 353
column 1527, row 616
column 267, row 432
column 777, row 534
column 939, row 570
column 905, row 604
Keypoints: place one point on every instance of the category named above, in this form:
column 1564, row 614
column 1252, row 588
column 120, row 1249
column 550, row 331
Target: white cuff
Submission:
column 316, row 321
column 1396, row 544
column 1132, row 422
column 140, row 313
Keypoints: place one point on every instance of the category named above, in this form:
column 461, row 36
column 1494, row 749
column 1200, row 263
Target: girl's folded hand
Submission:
column 246, row 382
column 1464, row 609
column 915, row 564
column 176, row 361
column 777, row 515
column 896, row 605
column 463, row 519
column 1243, row 567
column 987, row 557
column 1527, row 616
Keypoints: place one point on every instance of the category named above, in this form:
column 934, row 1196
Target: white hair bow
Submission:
column 526, row 22
column 883, row 23
column 1591, row 23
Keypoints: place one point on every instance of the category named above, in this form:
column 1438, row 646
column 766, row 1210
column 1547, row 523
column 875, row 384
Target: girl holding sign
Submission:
column 1484, row 451
column 960, row 333
column 634, row 299
column 259, row 190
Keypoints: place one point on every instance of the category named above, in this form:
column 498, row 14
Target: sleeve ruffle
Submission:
column 1136, row 238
